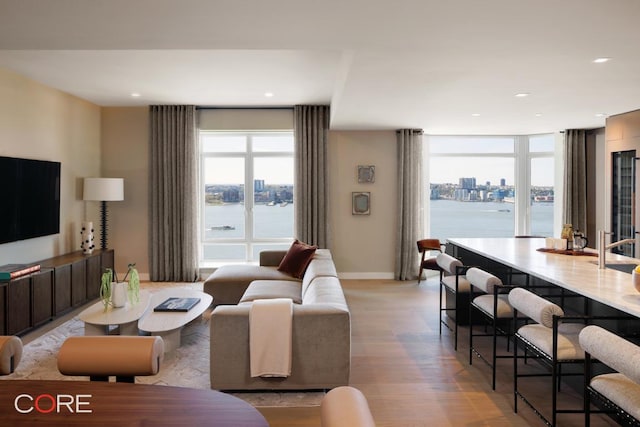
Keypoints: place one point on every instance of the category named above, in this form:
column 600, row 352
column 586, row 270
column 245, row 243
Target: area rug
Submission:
column 188, row 366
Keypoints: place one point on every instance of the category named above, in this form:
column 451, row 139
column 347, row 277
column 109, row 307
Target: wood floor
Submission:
column 410, row 375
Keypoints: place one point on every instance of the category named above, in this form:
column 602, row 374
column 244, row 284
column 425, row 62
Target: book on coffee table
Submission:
column 177, row 304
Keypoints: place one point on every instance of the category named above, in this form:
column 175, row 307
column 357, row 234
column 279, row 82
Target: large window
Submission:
column 481, row 186
column 247, row 200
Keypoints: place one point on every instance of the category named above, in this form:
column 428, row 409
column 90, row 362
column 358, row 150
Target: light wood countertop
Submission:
column 579, row 274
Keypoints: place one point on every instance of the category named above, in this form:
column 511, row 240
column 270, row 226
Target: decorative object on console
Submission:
column 366, row 174
column 11, row 271
column 361, row 203
column 103, row 190
column 87, row 237
column 297, row 259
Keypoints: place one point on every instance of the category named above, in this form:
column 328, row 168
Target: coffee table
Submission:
column 169, row 325
column 98, row 321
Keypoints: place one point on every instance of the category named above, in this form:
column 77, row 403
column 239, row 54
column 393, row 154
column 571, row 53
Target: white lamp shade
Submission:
column 103, row 189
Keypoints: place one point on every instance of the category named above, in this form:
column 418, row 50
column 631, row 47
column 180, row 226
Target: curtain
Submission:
column 409, row 230
column 311, row 130
column 575, row 179
column 173, row 209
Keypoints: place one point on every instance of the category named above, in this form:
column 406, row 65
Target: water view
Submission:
column 451, row 218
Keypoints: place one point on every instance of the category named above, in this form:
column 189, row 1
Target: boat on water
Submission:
column 271, row 203
column 223, row 227
column 283, row 204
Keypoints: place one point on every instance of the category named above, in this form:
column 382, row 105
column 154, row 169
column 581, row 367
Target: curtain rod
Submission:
column 243, row 108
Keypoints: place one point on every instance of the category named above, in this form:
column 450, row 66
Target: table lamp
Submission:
column 103, row 190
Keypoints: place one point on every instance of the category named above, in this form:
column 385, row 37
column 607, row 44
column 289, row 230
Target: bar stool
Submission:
column 456, row 287
column 493, row 307
column 552, row 342
column 619, row 391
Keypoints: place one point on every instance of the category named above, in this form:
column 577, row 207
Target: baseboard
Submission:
column 366, row 276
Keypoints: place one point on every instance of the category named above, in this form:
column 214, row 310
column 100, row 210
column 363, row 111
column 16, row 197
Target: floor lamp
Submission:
column 103, row 190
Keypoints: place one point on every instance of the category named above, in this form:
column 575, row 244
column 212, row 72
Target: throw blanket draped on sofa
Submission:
column 270, row 337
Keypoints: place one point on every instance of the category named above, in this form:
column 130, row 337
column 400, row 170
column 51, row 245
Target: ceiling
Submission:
column 448, row 67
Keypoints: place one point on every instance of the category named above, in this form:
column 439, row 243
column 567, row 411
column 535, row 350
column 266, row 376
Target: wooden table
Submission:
column 578, row 274
column 169, row 325
column 97, row 320
column 120, row 404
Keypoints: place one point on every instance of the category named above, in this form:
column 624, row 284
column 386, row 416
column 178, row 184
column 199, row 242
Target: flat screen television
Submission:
column 29, row 198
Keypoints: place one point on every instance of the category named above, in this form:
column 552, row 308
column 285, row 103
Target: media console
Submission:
column 63, row 283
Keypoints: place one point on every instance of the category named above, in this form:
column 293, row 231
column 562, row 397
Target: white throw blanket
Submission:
column 270, row 327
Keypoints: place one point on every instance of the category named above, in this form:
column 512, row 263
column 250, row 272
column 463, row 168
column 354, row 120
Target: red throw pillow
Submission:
column 297, row 259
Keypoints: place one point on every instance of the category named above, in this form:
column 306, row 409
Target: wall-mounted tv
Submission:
column 29, row 198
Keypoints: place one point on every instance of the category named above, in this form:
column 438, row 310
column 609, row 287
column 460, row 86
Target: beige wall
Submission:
column 38, row 122
column 125, row 154
column 363, row 246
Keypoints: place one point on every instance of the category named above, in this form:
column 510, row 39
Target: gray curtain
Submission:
column 410, row 191
column 311, row 130
column 575, row 179
column 173, row 207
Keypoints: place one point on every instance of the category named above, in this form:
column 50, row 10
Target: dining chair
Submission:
column 426, row 247
column 10, row 353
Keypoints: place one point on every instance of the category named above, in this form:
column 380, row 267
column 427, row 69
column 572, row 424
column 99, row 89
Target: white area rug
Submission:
column 188, row 366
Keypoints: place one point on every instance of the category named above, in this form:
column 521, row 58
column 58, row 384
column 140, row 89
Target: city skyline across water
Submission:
column 448, row 219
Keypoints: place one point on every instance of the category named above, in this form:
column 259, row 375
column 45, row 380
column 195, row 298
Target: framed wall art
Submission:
column 361, row 203
column 366, row 173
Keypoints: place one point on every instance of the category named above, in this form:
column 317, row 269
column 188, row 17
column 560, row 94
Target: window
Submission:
column 489, row 186
column 247, row 202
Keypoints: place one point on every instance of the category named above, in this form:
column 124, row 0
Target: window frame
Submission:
column 249, row 155
column 522, row 157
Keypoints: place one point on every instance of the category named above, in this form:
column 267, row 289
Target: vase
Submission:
column 635, row 277
column 119, row 294
column 87, row 238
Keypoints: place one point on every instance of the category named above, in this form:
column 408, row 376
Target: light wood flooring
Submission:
column 411, row 376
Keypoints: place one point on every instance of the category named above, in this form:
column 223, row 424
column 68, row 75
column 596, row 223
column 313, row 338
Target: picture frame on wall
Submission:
column 361, row 203
column 366, row 174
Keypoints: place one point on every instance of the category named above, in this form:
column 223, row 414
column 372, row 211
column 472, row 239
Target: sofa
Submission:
column 321, row 324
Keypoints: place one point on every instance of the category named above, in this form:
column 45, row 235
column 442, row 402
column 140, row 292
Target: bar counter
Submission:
column 576, row 273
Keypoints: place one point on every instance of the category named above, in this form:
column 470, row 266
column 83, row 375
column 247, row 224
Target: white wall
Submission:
column 38, row 122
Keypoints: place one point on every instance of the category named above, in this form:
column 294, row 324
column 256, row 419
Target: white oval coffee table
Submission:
column 98, row 321
column 168, row 325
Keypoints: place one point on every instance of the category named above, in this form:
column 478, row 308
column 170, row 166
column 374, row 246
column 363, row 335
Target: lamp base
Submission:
column 103, row 230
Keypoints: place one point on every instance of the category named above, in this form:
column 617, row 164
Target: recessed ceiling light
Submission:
column 475, row 114
column 522, row 95
column 538, row 114
column 135, row 95
column 268, row 94
column 600, row 114
column 601, row 60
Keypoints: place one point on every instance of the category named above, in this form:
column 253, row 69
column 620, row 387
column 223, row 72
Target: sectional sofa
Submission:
column 321, row 336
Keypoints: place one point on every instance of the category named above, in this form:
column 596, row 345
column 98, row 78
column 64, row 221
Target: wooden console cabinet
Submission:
column 63, row 283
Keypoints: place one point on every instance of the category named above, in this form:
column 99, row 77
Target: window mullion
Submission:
column 249, row 198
